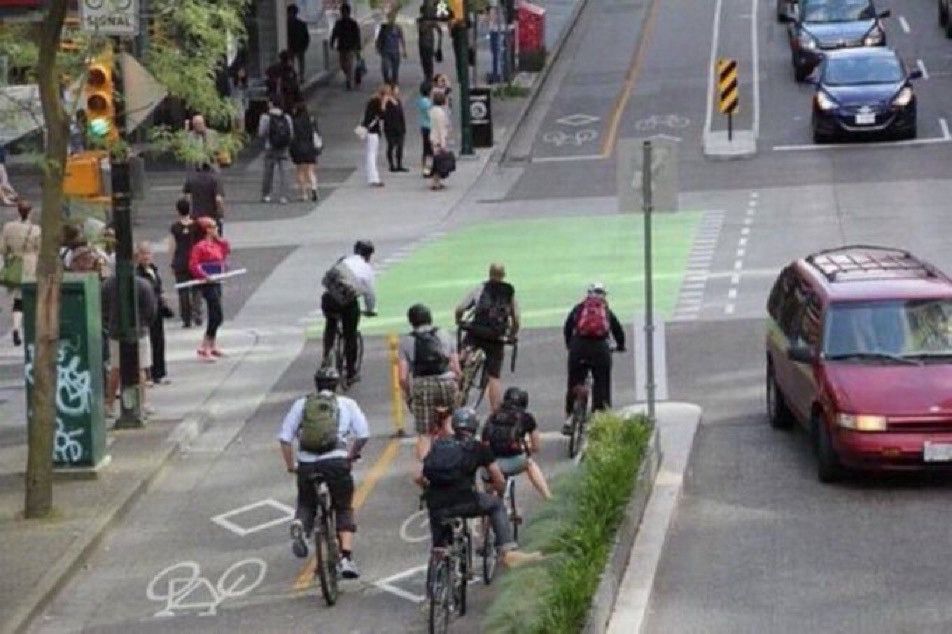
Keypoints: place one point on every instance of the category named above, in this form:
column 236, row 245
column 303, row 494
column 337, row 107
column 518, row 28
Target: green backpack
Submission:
column 319, row 424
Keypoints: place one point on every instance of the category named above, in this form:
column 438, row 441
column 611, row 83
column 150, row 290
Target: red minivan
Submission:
column 859, row 352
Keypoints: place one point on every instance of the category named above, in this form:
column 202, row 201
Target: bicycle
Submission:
column 338, row 356
column 475, row 364
column 581, row 412
column 448, row 573
column 489, row 551
column 326, row 548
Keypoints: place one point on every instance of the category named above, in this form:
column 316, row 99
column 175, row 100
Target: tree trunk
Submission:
column 49, row 273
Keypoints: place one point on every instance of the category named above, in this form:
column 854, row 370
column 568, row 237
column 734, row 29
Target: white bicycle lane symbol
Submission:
column 655, row 121
column 183, row 588
column 560, row 138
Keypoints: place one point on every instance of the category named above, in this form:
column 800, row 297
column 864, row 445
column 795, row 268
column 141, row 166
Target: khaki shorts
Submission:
column 145, row 353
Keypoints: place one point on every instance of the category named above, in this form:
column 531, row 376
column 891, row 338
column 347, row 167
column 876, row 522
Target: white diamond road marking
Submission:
column 577, row 120
column 286, row 513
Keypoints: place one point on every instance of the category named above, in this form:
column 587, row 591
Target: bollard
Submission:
column 396, row 394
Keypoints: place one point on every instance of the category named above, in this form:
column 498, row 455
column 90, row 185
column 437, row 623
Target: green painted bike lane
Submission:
column 549, row 260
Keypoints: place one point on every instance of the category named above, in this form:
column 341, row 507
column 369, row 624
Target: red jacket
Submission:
column 207, row 251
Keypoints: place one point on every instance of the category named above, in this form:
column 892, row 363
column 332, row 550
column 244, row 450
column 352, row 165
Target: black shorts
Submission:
column 495, row 352
column 340, row 484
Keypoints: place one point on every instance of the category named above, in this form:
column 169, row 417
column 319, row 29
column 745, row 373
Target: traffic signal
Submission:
column 451, row 11
column 99, row 99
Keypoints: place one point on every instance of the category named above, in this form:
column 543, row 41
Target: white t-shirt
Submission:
column 365, row 276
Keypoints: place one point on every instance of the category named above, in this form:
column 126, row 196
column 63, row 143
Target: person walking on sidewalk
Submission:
column 184, row 234
column 282, row 81
column 345, row 37
column 147, row 270
column 439, row 138
column 423, row 104
column 208, row 257
column 429, row 40
column 305, row 146
column 390, row 45
column 330, row 431
column 395, row 129
column 275, row 127
column 146, row 304
column 8, row 195
column 205, row 194
column 299, row 39
column 370, row 128
column 20, row 241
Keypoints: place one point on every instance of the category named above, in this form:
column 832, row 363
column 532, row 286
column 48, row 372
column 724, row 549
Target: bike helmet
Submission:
column 326, row 378
column 364, row 248
column 597, row 288
column 465, row 420
column 517, row 397
column 419, row 315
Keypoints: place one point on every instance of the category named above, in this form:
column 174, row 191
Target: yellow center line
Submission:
column 609, row 140
column 305, row 576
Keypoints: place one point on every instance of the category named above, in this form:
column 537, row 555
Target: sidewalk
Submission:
column 205, row 406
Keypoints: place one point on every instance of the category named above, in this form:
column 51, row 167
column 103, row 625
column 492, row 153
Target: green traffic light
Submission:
column 99, row 127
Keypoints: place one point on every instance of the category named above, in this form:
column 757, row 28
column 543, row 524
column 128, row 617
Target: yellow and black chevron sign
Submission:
column 728, row 101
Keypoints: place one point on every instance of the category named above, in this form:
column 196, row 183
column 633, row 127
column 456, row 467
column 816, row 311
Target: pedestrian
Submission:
column 495, row 316
column 345, row 37
column 204, row 141
column 209, row 257
column 72, row 238
column 423, row 104
column 442, row 83
column 428, row 368
column 305, row 147
column 429, row 40
column 184, row 234
column 275, row 127
column 8, row 195
column 369, row 129
column 282, row 82
column 439, row 138
column 395, row 129
column 145, row 301
column 205, row 194
column 299, row 38
column 147, row 270
column 586, row 331
column 19, row 246
column 106, row 247
column 390, row 45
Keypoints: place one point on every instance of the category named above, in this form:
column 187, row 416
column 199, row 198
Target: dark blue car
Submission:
column 818, row 26
column 861, row 92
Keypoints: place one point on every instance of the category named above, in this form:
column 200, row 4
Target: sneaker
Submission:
column 266, row 199
column 16, row 339
column 567, row 427
column 401, row 169
column 347, row 569
column 298, row 543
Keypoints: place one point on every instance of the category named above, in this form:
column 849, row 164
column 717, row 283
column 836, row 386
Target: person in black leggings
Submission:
column 208, row 258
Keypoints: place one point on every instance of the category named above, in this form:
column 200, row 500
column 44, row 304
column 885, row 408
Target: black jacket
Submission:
column 346, row 35
column 298, row 37
column 394, row 123
column 373, row 116
column 568, row 330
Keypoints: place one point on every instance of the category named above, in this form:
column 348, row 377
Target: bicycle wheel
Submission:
column 325, row 547
column 578, row 422
column 514, row 518
column 461, row 580
column 440, row 598
column 490, row 555
column 359, row 361
column 471, row 369
column 339, row 355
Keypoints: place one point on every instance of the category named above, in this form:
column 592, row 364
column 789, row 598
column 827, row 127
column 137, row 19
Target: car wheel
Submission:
column 828, row 468
column 943, row 14
column 777, row 410
column 819, row 137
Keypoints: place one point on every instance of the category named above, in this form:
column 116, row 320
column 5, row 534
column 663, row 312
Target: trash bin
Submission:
column 80, row 436
column 481, row 116
column 531, row 38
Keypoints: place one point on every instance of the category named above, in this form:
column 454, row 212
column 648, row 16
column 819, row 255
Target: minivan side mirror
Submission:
column 884, row 14
column 800, row 353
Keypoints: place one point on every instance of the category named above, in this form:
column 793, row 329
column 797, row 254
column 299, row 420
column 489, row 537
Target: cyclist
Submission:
column 323, row 424
column 350, row 278
column 448, row 477
column 586, row 332
column 495, row 315
column 429, row 368
column 513, row 435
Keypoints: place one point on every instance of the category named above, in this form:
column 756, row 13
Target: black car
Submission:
column 864, row 91
column 818, row 26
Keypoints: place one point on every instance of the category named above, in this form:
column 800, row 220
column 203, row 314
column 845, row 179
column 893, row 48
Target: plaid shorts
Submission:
column 428, row 393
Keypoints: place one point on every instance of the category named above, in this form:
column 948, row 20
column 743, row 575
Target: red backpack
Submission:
column 592, row 320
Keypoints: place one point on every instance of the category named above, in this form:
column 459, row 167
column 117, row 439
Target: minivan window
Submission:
column 907, row 329
column 779, row 291
column 809, row 331
column 790, row 308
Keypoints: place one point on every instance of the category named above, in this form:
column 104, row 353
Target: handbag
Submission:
column 438, row 55
column 360, row 70
column 318, row 141
column 444, row 163
column 11, row 274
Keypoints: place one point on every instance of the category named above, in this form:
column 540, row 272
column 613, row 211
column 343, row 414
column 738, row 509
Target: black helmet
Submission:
column 326, row 378
column 419, row 315
column 517, row 397
column 464, row 420
column 364, row 248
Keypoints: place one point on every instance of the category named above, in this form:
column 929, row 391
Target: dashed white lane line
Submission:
column 904, row 24
column 741, row 252
column 922, row 67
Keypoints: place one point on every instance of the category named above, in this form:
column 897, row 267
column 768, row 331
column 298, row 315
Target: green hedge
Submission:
column 577, row 531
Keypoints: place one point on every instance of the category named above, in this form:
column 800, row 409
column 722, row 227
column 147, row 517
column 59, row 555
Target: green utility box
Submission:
column 80, row 441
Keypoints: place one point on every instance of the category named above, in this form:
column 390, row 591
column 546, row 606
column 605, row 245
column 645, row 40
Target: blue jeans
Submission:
column 390, row 67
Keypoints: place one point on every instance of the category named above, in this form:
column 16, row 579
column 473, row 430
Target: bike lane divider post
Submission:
column 396, row 394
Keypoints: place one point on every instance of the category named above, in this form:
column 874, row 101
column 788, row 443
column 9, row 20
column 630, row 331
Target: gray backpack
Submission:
column 341, row 283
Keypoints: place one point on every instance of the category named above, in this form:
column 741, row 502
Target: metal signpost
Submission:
column 646, row 169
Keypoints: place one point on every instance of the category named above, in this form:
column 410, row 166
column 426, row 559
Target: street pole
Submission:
column 460, row 36
column 649, row 291
column 130, row 402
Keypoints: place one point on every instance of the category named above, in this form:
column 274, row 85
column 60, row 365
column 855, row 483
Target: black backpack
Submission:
column 279, row 132
column 445, row 464
column 504, row 432
column 429, row 358
column 493, row 308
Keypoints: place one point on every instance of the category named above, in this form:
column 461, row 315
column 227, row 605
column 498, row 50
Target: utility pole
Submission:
column 459, row 33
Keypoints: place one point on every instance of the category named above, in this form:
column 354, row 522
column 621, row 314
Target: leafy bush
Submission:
column 576, row 531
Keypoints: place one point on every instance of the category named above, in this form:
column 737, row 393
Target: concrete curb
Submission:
column 73, row 559
column 603, row 602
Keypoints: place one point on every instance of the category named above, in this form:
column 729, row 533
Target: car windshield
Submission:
column 903, row 330
column 837, row 10
column 851, row 71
